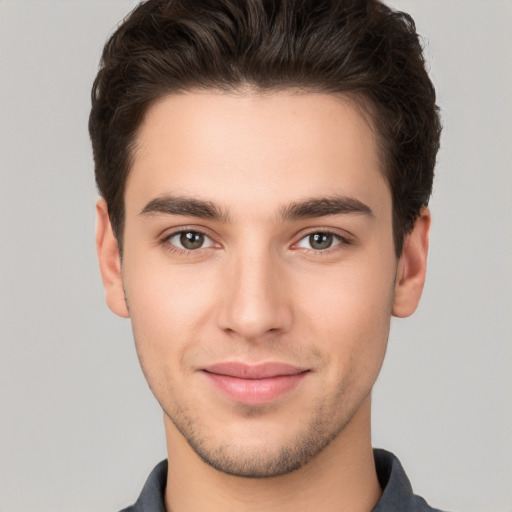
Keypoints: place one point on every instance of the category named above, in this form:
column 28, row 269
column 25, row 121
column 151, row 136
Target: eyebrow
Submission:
column 320, row 207
column 176, row 205
column 305, row 209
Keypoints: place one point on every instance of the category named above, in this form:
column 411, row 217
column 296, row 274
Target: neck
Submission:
column 341, row 478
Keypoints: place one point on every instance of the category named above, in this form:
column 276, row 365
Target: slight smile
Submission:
column 254, row 384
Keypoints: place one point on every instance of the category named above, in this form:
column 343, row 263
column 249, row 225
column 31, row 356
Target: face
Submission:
column 259, row 272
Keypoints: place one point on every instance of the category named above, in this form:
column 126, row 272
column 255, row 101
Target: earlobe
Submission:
column 412, row 267
column 110, row 262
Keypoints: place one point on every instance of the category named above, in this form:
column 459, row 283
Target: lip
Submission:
column 254, row 384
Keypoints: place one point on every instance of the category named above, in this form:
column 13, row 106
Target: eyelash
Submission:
column 342, row 241
column 165, row 241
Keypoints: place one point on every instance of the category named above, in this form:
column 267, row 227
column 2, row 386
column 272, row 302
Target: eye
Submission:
column 319, row 241
column 189, row 240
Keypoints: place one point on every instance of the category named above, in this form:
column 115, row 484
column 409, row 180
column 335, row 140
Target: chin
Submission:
column 255, row 449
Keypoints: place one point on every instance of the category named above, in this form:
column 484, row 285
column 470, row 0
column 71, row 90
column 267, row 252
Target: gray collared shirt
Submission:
column 397, row 495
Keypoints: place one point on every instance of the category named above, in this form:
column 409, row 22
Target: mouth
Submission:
column 254, row 384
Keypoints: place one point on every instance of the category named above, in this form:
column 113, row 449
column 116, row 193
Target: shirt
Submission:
column 397, row 494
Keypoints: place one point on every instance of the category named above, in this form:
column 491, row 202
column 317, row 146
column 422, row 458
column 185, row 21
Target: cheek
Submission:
column 161, row 290
column 169, row 306
column 349, row 315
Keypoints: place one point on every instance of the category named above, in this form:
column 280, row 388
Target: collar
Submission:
column 397, row 495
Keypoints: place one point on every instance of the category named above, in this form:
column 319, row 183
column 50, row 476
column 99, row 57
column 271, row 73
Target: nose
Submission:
column 255, row 301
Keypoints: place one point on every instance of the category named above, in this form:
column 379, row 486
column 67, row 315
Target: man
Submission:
column 264, row 170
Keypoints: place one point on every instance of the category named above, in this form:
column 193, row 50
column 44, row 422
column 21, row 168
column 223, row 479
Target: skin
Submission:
column 259, row 290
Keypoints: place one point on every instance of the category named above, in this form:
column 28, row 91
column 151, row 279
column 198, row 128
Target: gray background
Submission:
column 79, row 430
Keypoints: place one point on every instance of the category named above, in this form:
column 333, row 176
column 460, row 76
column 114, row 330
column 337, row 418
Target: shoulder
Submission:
column 397, row 493
column 152, row 496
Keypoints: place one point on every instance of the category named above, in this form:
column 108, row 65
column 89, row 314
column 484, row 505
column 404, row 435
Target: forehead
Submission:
column 257, row 151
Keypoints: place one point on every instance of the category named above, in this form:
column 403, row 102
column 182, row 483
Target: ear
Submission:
column 412, row 267
column 110, row 261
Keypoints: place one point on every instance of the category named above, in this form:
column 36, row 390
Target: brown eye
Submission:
column 190, row 240
column 320, row 241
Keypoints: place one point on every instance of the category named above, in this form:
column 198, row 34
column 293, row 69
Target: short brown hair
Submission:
column 357, row 47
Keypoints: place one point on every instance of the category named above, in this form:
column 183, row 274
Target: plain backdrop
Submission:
column 80, row 431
